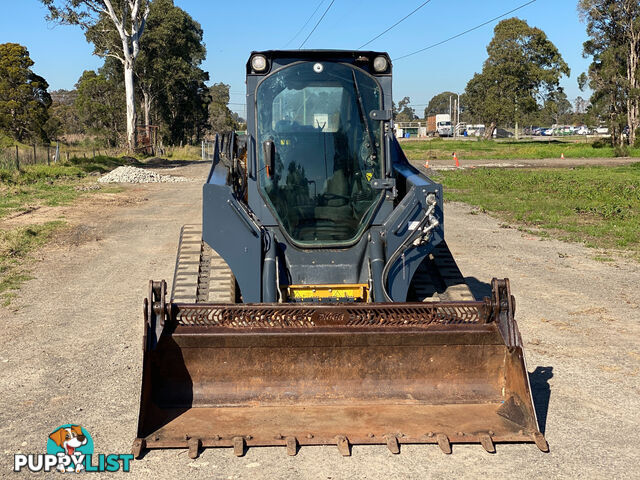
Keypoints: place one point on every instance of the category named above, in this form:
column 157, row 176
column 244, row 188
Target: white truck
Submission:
column 439, row 125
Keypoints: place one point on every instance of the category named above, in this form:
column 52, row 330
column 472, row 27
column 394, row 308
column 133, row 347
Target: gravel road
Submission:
column 526, row 163
column 71, row 350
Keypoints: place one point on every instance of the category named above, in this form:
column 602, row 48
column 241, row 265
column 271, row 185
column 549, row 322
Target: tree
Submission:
column 439, row 104
column 240, row 122
column 220, row 117
column 557, row 106
column 522, row 70
column 614, row 74
column 405, row 112
column 24, row 100
column 580, row 105
column 99, row 105
column 63, row 114
column 100, row 19
column 169, row 77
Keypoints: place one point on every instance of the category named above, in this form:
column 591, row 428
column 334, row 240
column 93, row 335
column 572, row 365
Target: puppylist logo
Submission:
column 70, row 449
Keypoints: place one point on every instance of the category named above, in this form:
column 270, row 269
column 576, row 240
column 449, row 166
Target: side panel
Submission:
column 407, row 213
column 230, row 231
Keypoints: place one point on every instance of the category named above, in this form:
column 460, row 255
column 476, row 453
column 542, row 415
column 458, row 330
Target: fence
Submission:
column 227, row 146
column 208, row 150
column 19, row 156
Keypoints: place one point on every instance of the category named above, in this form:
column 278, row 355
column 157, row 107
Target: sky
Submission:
column 232, row 30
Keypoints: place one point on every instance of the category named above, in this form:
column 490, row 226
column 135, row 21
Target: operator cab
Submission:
column 319, row 150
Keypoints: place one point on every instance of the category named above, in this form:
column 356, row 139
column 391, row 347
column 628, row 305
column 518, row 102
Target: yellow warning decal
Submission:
column 357, row 292
column 369, row 176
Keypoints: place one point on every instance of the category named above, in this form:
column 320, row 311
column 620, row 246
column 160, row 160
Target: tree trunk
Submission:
column 131, row 105
column 146, row 101
column 633, row 102
column 488, row 132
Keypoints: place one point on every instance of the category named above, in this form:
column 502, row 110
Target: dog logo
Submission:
column 73, row 442
column 70, row 449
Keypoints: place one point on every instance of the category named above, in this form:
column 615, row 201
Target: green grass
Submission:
column 47, row 185
column 599, row 206
column 186, row 152
column 34, row 186
column 15, row 246
column 506, row 150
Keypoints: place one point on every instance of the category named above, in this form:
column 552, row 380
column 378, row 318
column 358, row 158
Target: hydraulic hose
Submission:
column 420, row 235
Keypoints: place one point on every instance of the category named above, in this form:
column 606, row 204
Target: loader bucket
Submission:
column 243, row 375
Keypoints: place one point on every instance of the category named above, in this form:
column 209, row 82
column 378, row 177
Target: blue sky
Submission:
column 233, row 29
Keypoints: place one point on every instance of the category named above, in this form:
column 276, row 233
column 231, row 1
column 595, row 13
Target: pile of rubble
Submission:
column 128, row 174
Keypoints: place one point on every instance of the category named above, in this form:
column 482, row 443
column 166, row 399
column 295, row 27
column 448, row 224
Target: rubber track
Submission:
column 439, row 278
column 201, row 275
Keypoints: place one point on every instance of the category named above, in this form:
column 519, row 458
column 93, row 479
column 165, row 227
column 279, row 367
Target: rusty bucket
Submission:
column 242, row 375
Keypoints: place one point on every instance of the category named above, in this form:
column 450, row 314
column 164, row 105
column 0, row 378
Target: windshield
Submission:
column 327, row 150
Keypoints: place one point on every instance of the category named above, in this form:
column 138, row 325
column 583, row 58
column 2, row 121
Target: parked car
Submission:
column 582, row 130
column 547, row 132
column 602, row 130
column 502, row 133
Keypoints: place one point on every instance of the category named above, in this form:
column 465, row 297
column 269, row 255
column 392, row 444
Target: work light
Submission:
column 380, row 64
column 259, row 63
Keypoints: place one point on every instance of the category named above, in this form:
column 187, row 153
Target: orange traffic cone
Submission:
column 562, row 156
column 426, row 163
column 455, row 157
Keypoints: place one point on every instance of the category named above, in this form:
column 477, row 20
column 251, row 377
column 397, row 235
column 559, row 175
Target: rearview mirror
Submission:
column 269, row 149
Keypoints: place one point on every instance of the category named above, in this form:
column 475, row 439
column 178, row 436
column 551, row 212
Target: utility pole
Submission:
column 454, row 123
column 458, row 115
column 517, row 134
column 449, row 111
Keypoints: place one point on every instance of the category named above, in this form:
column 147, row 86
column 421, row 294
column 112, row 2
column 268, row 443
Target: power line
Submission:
column 305, row 24
column 394, row 25
column 465, row 32
column 316, row 26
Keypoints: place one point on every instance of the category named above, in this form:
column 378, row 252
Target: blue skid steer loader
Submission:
column 318, row 302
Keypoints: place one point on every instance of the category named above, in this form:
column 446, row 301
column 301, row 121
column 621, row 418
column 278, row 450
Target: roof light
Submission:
column 380, row 64
column 259, row 63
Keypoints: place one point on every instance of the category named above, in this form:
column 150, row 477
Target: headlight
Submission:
column 380, row 64
column 259, row 63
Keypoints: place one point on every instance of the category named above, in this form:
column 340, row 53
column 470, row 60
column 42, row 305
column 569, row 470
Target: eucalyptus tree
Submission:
column 24, row 100
column 115, row 28
column 440, row 103
column 168, row 73
column 613, row 27
column 522, row 71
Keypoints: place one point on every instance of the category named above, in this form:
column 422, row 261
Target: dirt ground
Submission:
column 71, row 349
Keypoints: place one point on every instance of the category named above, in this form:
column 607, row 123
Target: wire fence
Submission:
column 208, row 149
column 20, row 156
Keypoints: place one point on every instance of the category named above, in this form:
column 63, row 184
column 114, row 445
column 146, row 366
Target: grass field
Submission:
column 505, row 150
column 15, row 246
column 49, row 185
column 599, row 206
column 34, row 186
column 186, row 152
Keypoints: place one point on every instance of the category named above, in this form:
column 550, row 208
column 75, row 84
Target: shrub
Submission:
column 621, row 150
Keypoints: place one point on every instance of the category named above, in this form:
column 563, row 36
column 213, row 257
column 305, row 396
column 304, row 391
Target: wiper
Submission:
column 363, row 116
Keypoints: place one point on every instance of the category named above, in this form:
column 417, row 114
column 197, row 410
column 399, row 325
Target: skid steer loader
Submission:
column 318, row 302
